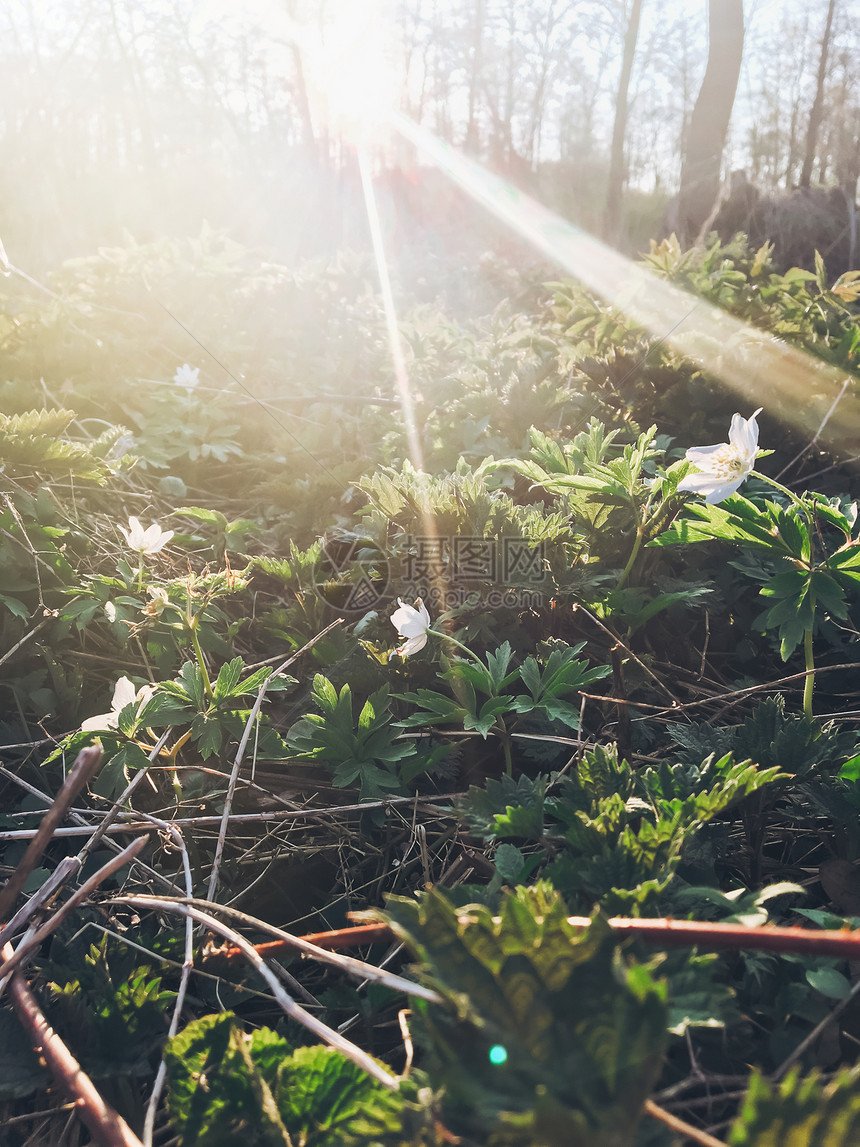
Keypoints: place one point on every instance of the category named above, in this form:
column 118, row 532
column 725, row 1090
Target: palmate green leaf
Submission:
column 207, row 734
column 436, row 709
column 165, row 708
column 829, row 593
column 562, row 673
column 734, row 520
column 583, row 1028
column 363, row 750
column 115, row 773
column 228, row 678
column 799, row 1112
column 188, row 687
column 792, row 531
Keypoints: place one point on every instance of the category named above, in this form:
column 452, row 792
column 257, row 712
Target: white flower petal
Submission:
column 412, row 624
column 124, row 693
column 702, row 455
column 743, row 434
column 721, row 469
column 413, row 645
column 100, row 724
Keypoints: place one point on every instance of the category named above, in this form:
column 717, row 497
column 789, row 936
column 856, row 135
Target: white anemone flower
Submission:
column 187, row 376
column 412, row 624
column 145, row 541
column 721, row 469
column 124, row 694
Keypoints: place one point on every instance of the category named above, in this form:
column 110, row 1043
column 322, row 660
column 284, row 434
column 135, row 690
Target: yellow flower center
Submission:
column 727, row 462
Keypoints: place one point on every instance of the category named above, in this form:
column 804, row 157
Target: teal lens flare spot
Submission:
column 497, row 1055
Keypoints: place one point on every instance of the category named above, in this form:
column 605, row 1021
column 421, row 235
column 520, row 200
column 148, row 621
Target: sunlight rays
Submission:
column 759, row 367
column 395, row 342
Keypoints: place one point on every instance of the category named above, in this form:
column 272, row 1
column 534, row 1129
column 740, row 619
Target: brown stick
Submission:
column 686, row 1129
column 660, row 933
column 29, row 945
column 107, row 1128
column 86, row 763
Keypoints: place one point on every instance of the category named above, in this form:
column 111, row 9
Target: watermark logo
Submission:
column 447, row 571
column 352, row 574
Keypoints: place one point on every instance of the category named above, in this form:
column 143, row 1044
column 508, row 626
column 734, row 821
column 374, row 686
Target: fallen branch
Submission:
column 288, row 1004
column 107, row 1128
column 660, row 933
column 29, row 945
column 85, row 766
column 679, row 1125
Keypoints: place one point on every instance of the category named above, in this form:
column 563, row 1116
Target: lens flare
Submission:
column 785, row 380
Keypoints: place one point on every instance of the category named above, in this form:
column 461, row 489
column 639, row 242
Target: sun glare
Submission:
column 351, row 72
column 754, row 363
column 348, row 58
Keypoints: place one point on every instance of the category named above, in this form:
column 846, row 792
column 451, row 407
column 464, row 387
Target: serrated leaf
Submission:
column 799, row 1112
column 325, row 1100
column 228, row 678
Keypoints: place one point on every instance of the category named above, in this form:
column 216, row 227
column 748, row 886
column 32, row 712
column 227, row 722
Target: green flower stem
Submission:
column 801, row 505
column 459, row 644
column 140, row 572
column 506, row 744
column 810, row 676
column 634, row 554
column 198, row 653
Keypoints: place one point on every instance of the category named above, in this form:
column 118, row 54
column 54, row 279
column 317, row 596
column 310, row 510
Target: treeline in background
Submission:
column 141, row 119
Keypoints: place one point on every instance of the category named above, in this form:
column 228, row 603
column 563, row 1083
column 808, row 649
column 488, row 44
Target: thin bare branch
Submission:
column 107, row 1128
column 85, row 766
column 679, row 1125
column 237, row 764
column 291, row 1008
column 28, row 946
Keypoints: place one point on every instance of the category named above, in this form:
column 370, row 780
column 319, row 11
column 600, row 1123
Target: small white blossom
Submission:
column 145, row 541
column 412, row 624
column 124, row 694
column 187, row 376
column 158, row 601
column 721, row 469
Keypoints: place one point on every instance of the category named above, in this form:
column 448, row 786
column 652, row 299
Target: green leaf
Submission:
column 799, row 1112
column 829, row 981
column 582, row 1026
column 325, row 1100
column 115, row 772
column 215, row 1090
column 228, row 678
column 509, row 862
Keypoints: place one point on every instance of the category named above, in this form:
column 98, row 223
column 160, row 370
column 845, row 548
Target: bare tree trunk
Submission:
column 472, row 141
column 612, row 214
column 709, row 123
column 817, row 110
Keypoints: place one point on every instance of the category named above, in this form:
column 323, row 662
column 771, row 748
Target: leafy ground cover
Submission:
column 518, row 699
